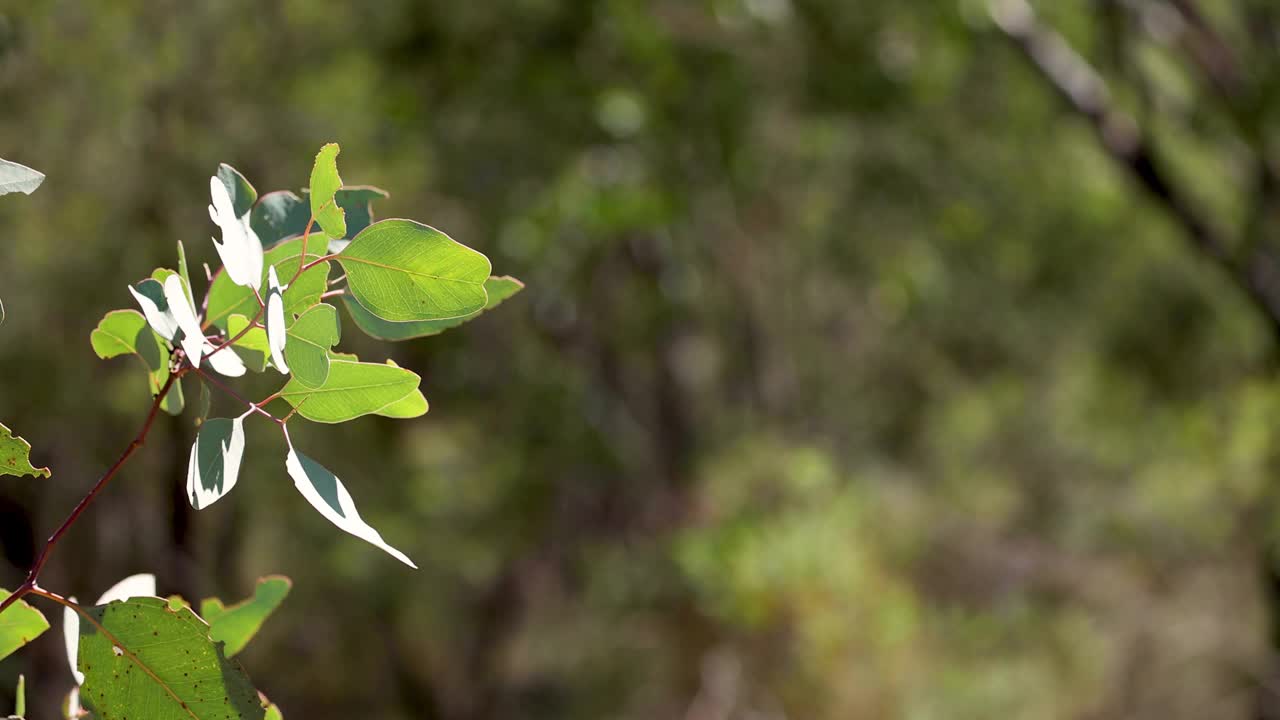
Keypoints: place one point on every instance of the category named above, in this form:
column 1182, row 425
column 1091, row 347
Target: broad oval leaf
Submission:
column 15, row 456
column 324, row 185
column 308, row 341
column 144, row 659
column 497, row 288
column 15, row 177
column 127, row 331
column 327, row 495
column 19, row 624
column 402, row 271
column 353, row 389
column 214, row 465
column 140, row 585
column 237, row 625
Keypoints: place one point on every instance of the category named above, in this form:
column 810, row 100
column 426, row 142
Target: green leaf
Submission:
column 122, row 332
column 401, row 270
column 15, row 456
column 204, row 404
column 308, row 341
column 142, row 659
column 410, row 406
column 324, row 185
column 279, row 215
column 19, row 624
column 273, row 712
column 18, row 178
column 497, row 288
column 353, row 389
column 182, row 270
column 357, row 202
column 20, row 707
column 174, row 401
column 242, row 193
column 236, row 625
column 330, row 498
column 226, row 298
column 252, row 347
column 214, row 465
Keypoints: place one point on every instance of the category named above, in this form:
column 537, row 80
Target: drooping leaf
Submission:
column 214, row 464
column 142, row 659
column 252, row 346
column 353, row 389
column 227, row 298
column 308, row 341
column 241, row 192
column 497, row 288
column 15, row 456
column 410, row 406
column 18, row 178
column 324, row 185
column 401, row 270
column 19, row 624
column 238, row 624
column 239, row 248
column 276, row 336
column 327, row 495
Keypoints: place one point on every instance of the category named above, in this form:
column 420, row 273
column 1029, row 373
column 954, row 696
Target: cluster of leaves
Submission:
column 133, row 653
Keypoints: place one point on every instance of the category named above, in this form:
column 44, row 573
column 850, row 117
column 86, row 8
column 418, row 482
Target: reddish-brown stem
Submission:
column 261, row 309
column 252, row 406
column 333, row 293
column 29, row 585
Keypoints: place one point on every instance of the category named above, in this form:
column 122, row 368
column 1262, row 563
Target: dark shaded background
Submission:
column 857, row 376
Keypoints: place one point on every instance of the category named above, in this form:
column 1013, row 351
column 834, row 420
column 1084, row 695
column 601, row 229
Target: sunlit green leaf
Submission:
column 352, row 389
column 324, row 185
column 252, row 346
column 327, row 495
column 401, row 270
column 15, row 456
column 497, row 288
column 308, row 341
column 19, row 624
column 20, row 705
column 143, row 659
column 238, row 624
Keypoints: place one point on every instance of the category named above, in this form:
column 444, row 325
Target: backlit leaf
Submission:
column 15, row 456
column 324, row 185
column 252, row 346
column 238, row 624
column 226, row 298
column 497, row 288
column 353, row 389
column 19, row 624
column 308, row 341
column 401, row 270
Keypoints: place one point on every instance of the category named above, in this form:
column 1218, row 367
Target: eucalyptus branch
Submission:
column 33, row 576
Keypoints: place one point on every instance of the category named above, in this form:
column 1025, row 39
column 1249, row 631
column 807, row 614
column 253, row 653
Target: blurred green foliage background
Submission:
column 854, row 377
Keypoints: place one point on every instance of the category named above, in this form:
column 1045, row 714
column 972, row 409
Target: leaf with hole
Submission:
column 142, row 658
column 324, row 185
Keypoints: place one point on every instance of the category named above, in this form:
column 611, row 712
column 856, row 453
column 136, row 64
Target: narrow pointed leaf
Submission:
column 19, row 625
column 238, row 624
column 20, row 706
column 15, row 456
column 276, row 336
column 308, row 341
column 273, row 713
column 143, row 659
column 327, row 495
column 123, row 332
column 18, row 178
column 324, row 185
column 151, row 298
column 353, row 389
column 401, row 270
column 180, row 307
column 214, row 464
column 497, row 288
